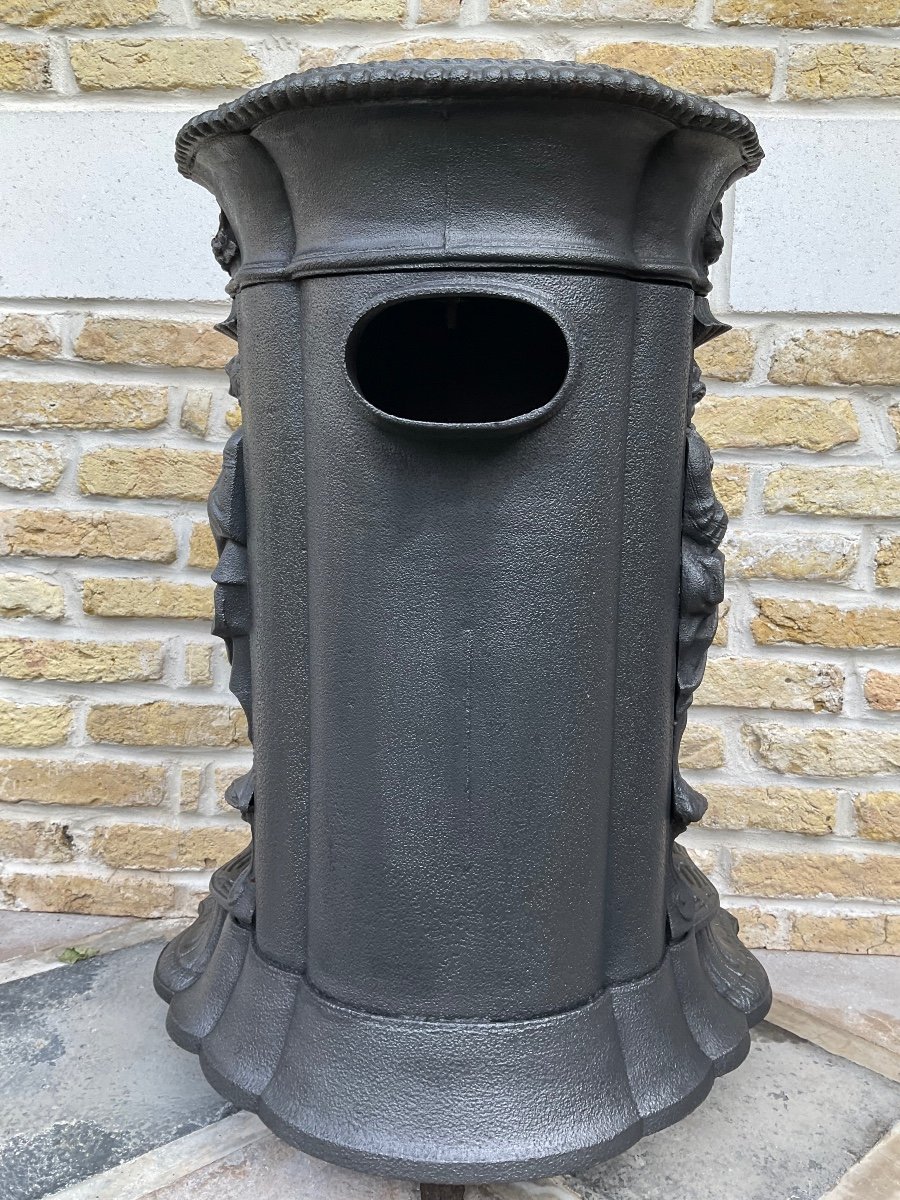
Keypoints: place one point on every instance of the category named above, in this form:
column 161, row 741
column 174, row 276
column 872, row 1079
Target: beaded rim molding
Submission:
column 449, row 78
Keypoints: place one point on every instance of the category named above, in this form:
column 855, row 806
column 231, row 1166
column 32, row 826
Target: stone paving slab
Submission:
column 786, row 1125
column 157, row 1168
column 88, row 1077
column 847, row 1003
column 70, row 942
column 26, row 933
column 876, row 1177
column 270, row 1170
column 239, row 1157
column 97, row 1104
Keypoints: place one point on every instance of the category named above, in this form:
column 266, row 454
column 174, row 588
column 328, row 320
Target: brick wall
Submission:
column 117, row 733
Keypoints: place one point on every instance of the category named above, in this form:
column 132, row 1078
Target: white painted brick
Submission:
column 817, row 229
column 93, row 206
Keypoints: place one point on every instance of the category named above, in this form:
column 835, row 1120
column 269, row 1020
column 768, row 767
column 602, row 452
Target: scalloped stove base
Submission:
column 408, row 1098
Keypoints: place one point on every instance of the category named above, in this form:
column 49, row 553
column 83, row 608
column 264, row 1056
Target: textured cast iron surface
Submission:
column 409, row 165
column 464, row 945
column 464, row 78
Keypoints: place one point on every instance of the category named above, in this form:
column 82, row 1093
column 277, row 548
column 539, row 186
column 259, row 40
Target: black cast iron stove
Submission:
column 469, row 574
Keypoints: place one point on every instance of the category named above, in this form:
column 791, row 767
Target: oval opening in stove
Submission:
column 471, row 360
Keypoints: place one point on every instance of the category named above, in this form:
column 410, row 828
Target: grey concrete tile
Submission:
column 88, row 1077
column 25, row 933
column 786, row 1125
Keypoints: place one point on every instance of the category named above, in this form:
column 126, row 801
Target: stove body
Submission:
column 469, row 573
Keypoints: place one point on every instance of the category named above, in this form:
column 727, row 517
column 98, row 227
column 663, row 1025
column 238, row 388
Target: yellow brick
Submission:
column 33, row 724
column 196, row 410
column 702, row 747
column 844, row 934
column 766, row 683
column 160, row 847
column 120, row 895
column 432, row 12
column 30, row 466
column 797, row 421
column 844, row 876
column 731, row 482
column 43, row 404
column 785, row 556
column 831, row 72
column 728, row 357
column 758, row 928
column 706, row 70
column 53, row 533
column 893, row 413
column 225, row 776
column 721, row 634
column 838, row 753
column 190, row 789
column 202, row 551
column 833, row 356
column 321, row 56
column 189, row 896
column 30, row 596
column 87, row 14
column 23, row 335
column 878, row 816
column 442, row 48
column 85, row 784
column 883, row 691
column 782, row 809
column 105, row 597
column 306, row 11
column 156, row 472
column 163, row 63
column 705, row 859
column 198, row 658
column 234, row 418
column 79, row 662
column 24, row 67
column 153, row 343
column 807, row 623
column 222, row 779
column 38, row 841
column 807, row 14
column 887, row 562
column 834, row 491
column 164, row 723
column 591, row 10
